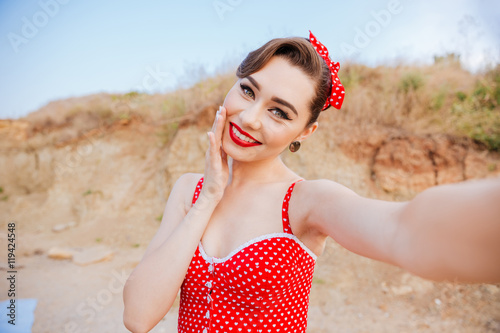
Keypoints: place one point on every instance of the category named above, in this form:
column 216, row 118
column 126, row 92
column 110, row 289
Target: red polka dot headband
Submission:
column 337, row 93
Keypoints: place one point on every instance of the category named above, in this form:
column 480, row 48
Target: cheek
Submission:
column 230, row 106
column 234, row 102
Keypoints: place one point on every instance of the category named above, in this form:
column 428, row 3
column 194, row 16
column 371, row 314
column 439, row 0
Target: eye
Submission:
column 247, row 91
column 280, row 113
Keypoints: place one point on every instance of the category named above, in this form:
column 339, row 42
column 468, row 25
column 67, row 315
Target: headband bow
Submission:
column 337, row 93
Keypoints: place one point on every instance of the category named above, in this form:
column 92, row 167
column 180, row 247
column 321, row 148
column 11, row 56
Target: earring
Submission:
column 294, row 146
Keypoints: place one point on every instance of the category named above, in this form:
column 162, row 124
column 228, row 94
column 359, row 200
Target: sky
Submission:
column 56, row 49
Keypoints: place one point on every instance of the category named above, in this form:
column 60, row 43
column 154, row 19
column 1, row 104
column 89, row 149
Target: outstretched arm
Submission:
column 453, row 231
column 448, row 232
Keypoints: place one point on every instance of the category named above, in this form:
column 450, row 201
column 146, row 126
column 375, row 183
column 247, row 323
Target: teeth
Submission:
column 241, row 136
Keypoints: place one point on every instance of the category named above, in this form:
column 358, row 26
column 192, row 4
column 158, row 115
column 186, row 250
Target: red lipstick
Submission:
column 237, row 140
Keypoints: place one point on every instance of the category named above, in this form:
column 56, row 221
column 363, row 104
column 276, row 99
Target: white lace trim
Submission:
column 209, row 259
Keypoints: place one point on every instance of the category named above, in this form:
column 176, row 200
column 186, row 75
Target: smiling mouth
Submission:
column 241, row 139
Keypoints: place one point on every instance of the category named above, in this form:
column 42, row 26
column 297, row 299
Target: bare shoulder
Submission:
column 186, row 185
column 310, row 195
column 305, row 210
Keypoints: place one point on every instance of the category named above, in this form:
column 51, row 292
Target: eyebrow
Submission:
column 285, row 103
column 274, row 98
column 251, row 79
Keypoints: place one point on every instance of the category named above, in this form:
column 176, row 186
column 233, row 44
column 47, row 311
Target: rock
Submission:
column 402, row 290
column 63, row 226
column 408, row 164
column 384, row 287
column 410, row 284
column 59, row 227
column 60, row 253
column 492, row 289
column 405, row 164
column 417, row 284
column 476, row 165
column 92, row 255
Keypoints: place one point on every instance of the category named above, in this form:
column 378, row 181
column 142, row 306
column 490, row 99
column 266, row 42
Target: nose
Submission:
column 251, row 117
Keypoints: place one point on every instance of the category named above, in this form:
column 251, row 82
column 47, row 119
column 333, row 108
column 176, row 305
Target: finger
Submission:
column 210, row 150
column 211, row 145
column 221, row 123
column 214, row 124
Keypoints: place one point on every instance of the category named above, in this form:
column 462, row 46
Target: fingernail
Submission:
column 218, row 111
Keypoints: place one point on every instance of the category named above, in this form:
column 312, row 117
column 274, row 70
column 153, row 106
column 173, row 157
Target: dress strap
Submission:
column 284, row 211
column 197, row 190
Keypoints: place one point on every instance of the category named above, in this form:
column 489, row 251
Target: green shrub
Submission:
column 461, row 96
column 131, row 94
column 167, row 132
column 350, row 76
column 174, row 106
column 479, row 123
column 438, row 100
column 411, row 82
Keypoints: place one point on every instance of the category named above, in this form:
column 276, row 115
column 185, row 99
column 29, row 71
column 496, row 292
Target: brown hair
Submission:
column 299, row 52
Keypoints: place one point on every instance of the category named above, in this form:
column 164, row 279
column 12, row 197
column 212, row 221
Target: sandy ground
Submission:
column 349, row 294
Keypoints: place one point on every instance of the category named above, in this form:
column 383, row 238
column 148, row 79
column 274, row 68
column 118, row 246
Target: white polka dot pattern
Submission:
column 262, row 286
column 337, row 91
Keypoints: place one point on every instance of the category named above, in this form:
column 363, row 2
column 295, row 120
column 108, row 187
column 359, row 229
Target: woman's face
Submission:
column 266, row 111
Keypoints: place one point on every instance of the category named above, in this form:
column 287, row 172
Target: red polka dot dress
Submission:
column 262, row 286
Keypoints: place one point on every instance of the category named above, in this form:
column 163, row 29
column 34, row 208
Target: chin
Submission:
column 232, row 152
column 235, row 153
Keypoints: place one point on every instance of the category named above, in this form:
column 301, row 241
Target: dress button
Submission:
column 207, row 315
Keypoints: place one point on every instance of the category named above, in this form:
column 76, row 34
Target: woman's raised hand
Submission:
column 216, row 167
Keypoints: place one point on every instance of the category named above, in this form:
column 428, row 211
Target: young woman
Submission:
column 241, row 240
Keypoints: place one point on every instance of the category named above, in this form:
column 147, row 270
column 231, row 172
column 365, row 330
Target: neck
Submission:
column 255, row 172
